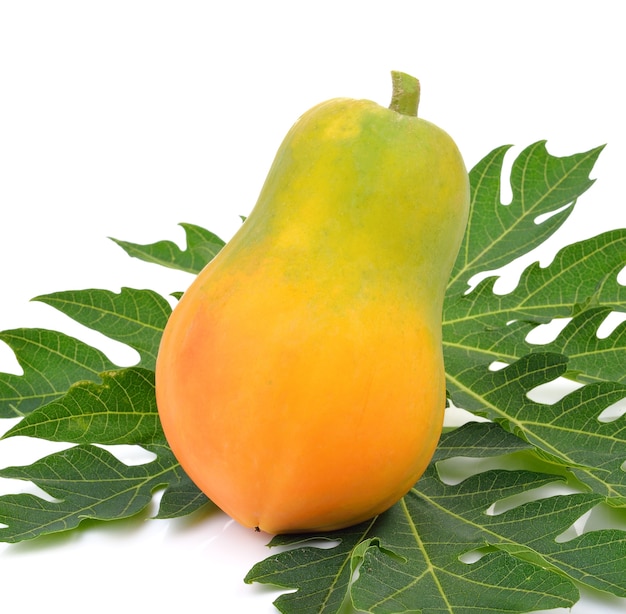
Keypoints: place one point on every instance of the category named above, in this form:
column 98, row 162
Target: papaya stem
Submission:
column 405, row 97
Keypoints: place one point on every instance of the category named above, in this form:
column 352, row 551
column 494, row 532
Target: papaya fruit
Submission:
column 300, row 378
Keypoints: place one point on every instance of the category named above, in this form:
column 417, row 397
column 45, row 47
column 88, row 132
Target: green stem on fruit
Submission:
column 405, row 97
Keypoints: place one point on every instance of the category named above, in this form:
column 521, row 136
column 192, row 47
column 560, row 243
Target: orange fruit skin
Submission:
column 300, row 379
column 330, row 430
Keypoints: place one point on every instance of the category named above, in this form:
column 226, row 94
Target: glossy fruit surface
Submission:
column 300, row 379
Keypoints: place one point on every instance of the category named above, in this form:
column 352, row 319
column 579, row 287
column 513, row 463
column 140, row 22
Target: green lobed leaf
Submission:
column 478, row 439
column 202, row 246
column 568, row 431
column 181, row 499
column 522, row 568
column 52, row 362
column 591, row 357
column 541, row 184
column 119, row 410
column 483, row 326
column 86, row 482
column 581, row 281
column 322, row 575
column 134, row 317
column 583, row 272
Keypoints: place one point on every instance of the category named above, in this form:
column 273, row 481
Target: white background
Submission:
column 125, row 118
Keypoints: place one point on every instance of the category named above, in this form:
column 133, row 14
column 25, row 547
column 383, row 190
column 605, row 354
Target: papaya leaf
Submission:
column 119, row 410
column 181, row 499
column 583, row 272
column 52, row 362
column 484, row 326
column 580, row 282
column 542, row 185
column 478, row 439
column 591, row 357
column 202, row 246
column 567, row 431
column 521, row 565
column 322, row 575
column 87, row 481
column 133, row 317
column 415, row 557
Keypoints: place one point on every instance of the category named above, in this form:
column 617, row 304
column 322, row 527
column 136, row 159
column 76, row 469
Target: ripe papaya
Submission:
column 300, row 378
